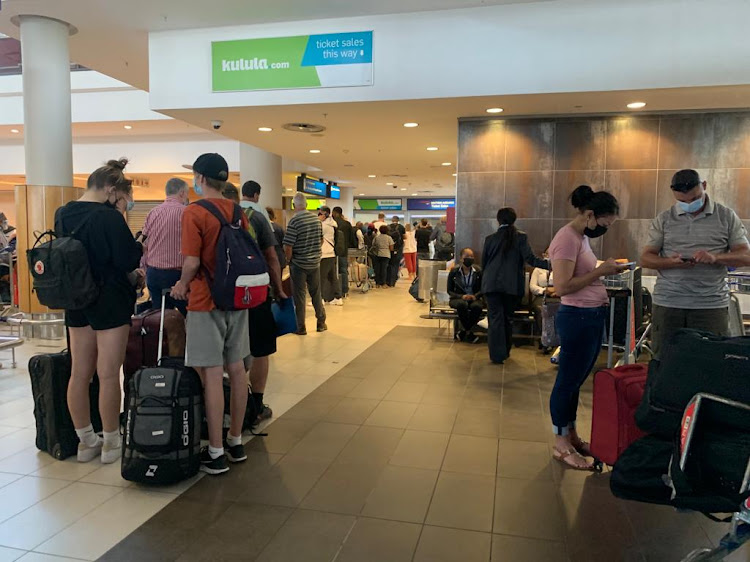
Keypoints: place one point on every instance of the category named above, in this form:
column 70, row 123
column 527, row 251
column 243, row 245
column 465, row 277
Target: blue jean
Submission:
column 580, row 331
column 159, row 279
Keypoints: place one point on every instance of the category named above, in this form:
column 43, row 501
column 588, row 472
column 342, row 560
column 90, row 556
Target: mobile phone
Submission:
column 688, row 260
column 627, row 265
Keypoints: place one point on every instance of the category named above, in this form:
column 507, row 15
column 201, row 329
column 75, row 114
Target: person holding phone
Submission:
column 690, row 246
column 582, row 315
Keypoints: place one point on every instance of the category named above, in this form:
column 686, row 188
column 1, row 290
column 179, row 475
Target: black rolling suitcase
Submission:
column 55, row 434
column 161, row 444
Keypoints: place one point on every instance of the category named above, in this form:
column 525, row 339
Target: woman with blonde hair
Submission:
column 99, row 332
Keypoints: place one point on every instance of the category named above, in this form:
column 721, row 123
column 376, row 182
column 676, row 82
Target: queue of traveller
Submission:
column 690, row 246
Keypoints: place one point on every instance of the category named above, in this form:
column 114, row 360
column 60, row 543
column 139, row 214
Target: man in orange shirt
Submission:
column 216, row 339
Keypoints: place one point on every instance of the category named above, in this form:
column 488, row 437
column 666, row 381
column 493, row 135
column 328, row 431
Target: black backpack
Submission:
column 61, row 272
column 340, row 244
column 162, row 439
column 398, row 239
column 240, row 278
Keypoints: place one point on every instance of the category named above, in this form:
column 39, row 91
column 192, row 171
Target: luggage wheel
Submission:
column 598, row 466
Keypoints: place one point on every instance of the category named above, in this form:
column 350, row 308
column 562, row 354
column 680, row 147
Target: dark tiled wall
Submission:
column 534, row 164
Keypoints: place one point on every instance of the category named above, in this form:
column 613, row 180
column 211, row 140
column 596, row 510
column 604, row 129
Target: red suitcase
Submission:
column 617, row 394
column 143, row 341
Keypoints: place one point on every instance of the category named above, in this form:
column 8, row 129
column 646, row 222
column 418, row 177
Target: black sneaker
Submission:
column 472, row 338
column 235, row 453
column 322, row 327
column 265, row 414
column 460, row 335
column 301, row 332
column 213, row 466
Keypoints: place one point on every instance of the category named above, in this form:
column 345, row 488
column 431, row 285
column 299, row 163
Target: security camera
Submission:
column 395, row 187
column 216, row 124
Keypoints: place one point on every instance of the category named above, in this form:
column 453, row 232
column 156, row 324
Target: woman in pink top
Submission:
column 581, row 319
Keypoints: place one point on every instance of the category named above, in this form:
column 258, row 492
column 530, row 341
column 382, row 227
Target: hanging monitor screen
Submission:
column 334, row 191
column 429, row 204
column 311, row 186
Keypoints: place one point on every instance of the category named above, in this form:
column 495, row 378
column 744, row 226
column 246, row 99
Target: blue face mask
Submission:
column 693, row 207
column 130, row 206
column 197, row 188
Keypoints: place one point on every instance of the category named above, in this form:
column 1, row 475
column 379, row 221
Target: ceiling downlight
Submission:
column 304, row 127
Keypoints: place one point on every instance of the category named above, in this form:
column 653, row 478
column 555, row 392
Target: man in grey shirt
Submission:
column 691, row 245
column 302, row 242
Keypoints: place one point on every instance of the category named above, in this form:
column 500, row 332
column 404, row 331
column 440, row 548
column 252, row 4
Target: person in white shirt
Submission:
column 541, row 286
column 378, row 223
column 360, row 236
column 329, row 273
column 410, row 252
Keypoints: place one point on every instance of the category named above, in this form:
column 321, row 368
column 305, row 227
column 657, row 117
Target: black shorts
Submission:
column 262, row 330
column 102, row 315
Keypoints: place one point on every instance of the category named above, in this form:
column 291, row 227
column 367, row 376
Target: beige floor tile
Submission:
column 105, row 526
column 282, row 436
column 16, row 442
column 6, row 478
column 407, row 392
column 343, row 489
column 438, row 544
column 401, row 494
column 7, row 430
column 421, row 449
column 431, row 417
column 51, row 515
column 25, row 492
column 286, row 483
column 373, row 540
column 525, row 460
column 521, row 549
column 392, row 414
column 471, row 455
column 107, row 475
column 462, row 501
column 25, row 462
column 69, row 469
column 39, row 557
column 371, row 388
column 352, row 410
column 541, row 517
column 480, row 422
column 371, row 445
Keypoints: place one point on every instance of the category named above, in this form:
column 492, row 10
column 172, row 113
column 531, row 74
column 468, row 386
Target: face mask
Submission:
column 197, row 188
column 131, row 205
column 468, row 262
column 595, row 232
column 693, row 207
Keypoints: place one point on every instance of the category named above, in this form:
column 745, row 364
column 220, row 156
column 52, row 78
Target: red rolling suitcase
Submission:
column 143, row 341
column 617, row 394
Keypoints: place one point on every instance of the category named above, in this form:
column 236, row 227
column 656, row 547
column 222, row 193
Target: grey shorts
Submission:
column 216, row 338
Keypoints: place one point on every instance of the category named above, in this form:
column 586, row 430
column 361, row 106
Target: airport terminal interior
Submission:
column 391, row 432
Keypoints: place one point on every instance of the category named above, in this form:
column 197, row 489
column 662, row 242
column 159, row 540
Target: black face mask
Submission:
column 595, row 232
column 468, row 262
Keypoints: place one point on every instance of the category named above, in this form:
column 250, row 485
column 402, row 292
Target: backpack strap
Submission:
column 214, row 210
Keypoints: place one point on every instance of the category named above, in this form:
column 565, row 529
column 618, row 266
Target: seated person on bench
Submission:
column 541, row 286
column 464, row 289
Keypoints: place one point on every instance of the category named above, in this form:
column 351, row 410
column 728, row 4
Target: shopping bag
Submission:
column 284, row 316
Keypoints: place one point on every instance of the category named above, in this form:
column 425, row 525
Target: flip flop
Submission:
column 563, row 456
column 583, row 448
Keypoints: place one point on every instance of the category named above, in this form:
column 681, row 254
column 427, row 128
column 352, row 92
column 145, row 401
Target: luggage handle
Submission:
column 164, row 294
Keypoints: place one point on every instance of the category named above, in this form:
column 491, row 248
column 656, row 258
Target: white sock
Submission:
column 87, row 436
column 112, row 438
column 215, row 452
column 233, row 441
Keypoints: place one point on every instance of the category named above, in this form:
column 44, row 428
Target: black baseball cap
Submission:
column 212, row 165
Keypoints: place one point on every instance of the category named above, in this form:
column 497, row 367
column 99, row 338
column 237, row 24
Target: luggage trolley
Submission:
column 618, row 286
column 359, row 269
column 739, row 284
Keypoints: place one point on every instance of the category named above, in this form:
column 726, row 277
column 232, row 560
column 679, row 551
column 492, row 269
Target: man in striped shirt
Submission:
column 161, row 249
column 302, row 245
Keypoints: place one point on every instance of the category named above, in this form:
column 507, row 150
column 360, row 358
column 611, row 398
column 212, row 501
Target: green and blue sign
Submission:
column 304, row 61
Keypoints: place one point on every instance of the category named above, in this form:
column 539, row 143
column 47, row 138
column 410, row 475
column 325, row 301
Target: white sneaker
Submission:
column 337, row 302
column 88, row 454
column 111, row 453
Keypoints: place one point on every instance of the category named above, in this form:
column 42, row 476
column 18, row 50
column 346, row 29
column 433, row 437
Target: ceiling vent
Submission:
column 396, row 176
column 304, row 128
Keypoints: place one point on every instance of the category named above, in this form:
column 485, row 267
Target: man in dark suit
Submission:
column 464, row 289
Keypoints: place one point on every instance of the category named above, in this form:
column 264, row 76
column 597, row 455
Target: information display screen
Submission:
column 429, row 204
column 334, row 191
column 311, row 186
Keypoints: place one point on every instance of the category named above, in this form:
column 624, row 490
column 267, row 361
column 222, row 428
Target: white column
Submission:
column 347, row 202
column 265, row 168
column 46, row 100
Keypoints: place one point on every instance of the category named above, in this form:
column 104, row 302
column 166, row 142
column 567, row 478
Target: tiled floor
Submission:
column 390, row 443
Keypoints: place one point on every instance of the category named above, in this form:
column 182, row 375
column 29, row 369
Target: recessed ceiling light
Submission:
column 389, row 183
column 414, row 194
column 372, row 176
column 361, row 194
column 403, row 189
column 14, row 131
column 432, row 148
column 411, row 125
column 128, row 127
column 455, row 175
column 315, row 151
column 265, row 129
column 446, row 164
column 494, row 110
column 637, row 105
